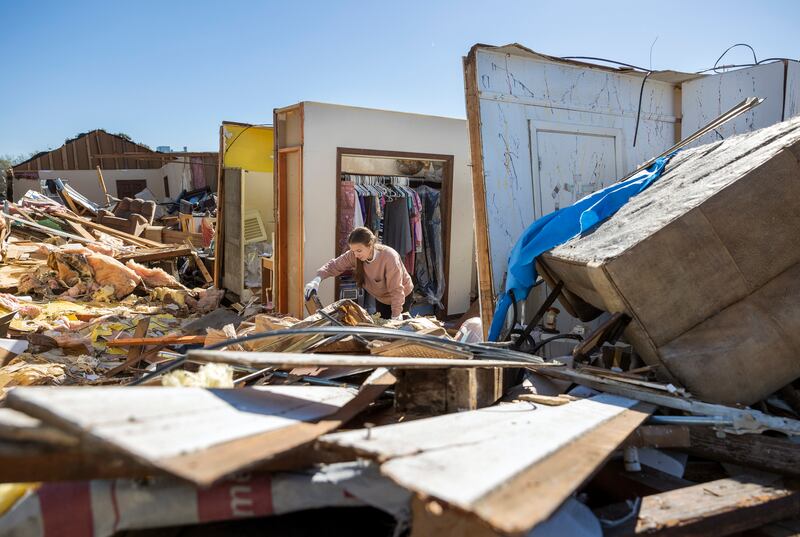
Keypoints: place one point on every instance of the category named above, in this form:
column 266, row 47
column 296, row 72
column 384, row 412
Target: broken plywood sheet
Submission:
column 157, row 425
column 511, row 465
column 695, row 260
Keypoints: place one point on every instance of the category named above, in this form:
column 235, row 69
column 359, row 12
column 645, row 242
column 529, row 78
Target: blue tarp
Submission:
column 560, row 226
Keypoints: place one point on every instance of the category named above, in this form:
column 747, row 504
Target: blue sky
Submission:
column 167, row 73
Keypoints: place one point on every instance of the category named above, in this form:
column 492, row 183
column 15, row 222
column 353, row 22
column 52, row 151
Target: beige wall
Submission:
column 327, row 127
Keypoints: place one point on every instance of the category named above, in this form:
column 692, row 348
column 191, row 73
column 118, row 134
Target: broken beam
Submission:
column 164, row 340
column 156, row 255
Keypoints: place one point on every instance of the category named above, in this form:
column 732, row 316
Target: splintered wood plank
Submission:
column 80, row 230
column 135, row 352
column 511, row 466
column 719, row 507
column 201, row 266
column 216, row 462
column 163, row 340
column 555, row 478
column 482, row 246
column 16, row 426
column 156, row 254
column 155, row 424
column 286, row 360
column 29, row 464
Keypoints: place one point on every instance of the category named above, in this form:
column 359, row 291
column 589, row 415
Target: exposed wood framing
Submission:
column 485, row 284
column 219, row 231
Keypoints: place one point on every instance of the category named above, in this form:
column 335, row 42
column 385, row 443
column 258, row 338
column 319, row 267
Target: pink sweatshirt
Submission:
column 385, row 277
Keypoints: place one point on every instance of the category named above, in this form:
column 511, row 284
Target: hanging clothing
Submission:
column 347, row 210
column 416, row 220
column 397, row 227
column 405, row 219
column 358, row 217
column 430, row 265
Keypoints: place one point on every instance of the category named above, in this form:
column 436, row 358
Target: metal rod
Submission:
column 690, row 420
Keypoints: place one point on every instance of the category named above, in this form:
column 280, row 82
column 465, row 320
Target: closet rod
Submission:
column 425, row 179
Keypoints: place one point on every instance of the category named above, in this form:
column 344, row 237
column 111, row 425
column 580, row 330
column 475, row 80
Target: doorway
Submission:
column 431, row 174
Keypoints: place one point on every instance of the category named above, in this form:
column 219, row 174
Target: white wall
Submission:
column 328, row 126
column 87, row 183
column 705, row 99
column 520, row 94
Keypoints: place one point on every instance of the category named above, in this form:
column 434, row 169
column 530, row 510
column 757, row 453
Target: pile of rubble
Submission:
column 395, row 427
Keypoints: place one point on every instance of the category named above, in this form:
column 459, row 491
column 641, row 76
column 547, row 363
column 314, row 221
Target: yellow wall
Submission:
column 248, row 147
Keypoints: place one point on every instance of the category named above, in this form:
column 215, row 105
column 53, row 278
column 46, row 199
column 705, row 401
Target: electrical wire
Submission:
column 755, row 60
column 228, row 146
column 603, row 60
column 765, row 60
column 639, row 108
column 544, row 341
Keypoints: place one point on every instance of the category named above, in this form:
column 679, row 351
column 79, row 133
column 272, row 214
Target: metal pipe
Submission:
column 690, row 420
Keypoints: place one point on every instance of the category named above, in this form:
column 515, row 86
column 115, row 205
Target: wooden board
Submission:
column 511, row 465
column 156, row 254
column 29, row 462
column 720, row 507
column 485, row 284
column 16, row 426
column 156, row 424
column 162, row 340
column 127, row 237
column 135, row 352
column 209, row 465
column 284, row 360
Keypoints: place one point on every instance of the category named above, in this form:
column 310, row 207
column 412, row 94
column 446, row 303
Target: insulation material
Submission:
column 154, row 277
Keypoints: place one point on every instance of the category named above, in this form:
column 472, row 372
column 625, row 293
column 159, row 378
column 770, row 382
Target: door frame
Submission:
column 281, row 246
column 445, row 204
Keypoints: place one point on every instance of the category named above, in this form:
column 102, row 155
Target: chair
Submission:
column 129, row 215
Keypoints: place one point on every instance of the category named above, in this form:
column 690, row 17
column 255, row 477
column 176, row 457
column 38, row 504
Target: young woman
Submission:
column 377, row 268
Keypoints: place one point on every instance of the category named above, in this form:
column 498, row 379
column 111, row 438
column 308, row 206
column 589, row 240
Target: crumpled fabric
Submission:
column 560, row 226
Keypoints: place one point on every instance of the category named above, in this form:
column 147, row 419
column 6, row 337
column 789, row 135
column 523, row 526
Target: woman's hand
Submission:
column 312, row 287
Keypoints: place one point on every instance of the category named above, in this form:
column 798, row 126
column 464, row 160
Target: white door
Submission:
column 571, row 165
column 569, row 162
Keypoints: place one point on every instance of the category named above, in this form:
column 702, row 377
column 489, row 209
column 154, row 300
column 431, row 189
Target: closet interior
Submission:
column 404, row 199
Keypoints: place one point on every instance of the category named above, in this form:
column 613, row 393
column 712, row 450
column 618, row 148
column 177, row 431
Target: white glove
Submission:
column 398, row 318
column 312, row 287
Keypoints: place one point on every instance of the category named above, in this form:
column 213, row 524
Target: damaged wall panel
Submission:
column 544, row 133
column 704, row 99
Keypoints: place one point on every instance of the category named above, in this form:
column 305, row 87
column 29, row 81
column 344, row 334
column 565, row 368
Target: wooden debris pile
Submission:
column 245, row 416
